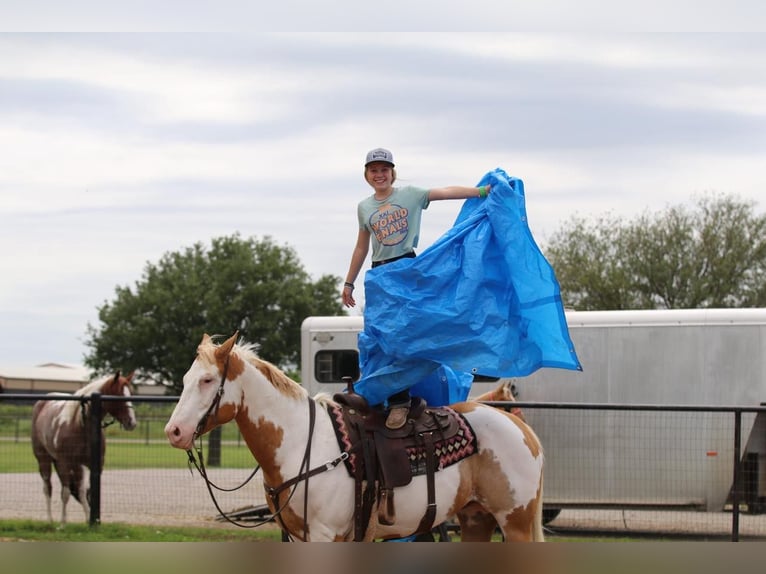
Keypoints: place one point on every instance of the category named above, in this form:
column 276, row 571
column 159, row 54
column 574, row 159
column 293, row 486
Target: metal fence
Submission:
column 667, row 470
column 661, row 471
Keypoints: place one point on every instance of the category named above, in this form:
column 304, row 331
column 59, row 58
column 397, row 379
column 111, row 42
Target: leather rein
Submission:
column 273, row 492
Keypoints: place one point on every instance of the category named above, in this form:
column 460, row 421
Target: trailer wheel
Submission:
column 550, row 514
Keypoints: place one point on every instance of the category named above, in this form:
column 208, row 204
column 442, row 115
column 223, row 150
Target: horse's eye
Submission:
column 207, row 380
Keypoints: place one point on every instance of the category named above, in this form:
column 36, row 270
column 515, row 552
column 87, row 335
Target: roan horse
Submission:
column 498, row 486
column 61, row 437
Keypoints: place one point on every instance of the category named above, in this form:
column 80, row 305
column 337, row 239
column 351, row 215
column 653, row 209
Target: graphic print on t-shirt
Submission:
column 390, row 224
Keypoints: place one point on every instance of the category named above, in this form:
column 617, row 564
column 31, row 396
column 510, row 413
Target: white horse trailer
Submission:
column 640, row 458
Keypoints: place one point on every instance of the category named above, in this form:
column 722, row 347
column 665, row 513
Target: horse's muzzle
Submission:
column 130, row 423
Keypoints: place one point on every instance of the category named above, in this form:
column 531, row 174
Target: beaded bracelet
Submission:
column 483, row 190
column 347, row 284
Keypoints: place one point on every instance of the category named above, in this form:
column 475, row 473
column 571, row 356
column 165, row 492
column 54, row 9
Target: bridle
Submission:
column 213, row 408
column 197, row 438
column 85, row 413
column 273, row 492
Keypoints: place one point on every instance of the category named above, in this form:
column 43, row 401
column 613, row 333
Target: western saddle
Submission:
column 381, row 459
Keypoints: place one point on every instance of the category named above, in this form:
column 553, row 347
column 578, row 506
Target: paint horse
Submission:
column 311, row 493
column 504, row 391
column 61, row 431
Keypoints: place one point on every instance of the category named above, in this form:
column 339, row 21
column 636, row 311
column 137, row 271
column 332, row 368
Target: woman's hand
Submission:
column 348, row 295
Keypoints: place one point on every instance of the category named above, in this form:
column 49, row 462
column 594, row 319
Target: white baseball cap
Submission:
column 379, row 154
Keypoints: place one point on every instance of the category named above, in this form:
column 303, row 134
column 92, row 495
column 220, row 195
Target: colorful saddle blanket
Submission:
column 400, row 454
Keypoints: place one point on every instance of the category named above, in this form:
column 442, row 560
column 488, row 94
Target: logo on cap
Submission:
column 380, row 154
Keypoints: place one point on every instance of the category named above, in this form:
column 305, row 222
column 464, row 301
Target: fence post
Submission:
column 96, row 410
column 214, row 447
column 735, row 477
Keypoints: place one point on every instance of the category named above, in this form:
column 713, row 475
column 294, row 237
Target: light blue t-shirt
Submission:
column 393, row 223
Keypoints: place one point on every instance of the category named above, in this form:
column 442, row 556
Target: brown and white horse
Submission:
column 503, row 392
column 60, row 438
column 500, row 485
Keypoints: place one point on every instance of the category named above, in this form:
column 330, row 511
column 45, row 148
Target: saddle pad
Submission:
column 448, row 451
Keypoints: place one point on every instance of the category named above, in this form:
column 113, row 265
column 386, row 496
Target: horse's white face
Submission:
column 201, row 386
column 127, row 415
column 123, row 411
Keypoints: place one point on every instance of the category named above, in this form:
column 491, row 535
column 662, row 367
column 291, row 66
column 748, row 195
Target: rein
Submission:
column 303, row 475
column 213, row 408
column 273, row 492
column 211, row 485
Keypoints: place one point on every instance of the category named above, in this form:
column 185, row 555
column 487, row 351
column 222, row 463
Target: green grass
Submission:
column 127, row 455
column 144, row 447
column 30, row 530
column 18, row 456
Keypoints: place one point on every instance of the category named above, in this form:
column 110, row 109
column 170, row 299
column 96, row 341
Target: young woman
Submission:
column 389, row 220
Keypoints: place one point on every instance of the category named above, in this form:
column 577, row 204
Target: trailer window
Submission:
column 332, row 366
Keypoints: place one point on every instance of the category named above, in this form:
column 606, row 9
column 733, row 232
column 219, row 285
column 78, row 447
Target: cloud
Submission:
column 118, row 148
column 586, row 16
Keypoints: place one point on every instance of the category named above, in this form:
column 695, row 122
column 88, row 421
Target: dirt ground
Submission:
column 169, row 497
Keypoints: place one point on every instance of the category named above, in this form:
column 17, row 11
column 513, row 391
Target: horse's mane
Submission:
column 71, row 409
column 325, row 399
column 280, row 381
column 95, row 385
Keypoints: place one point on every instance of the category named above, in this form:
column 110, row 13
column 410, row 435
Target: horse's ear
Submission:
column 206, row 340
column 227, row 346
column 129, row 376
column 117, row 376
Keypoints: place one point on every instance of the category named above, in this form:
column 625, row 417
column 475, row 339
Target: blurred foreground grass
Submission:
column 31, row 530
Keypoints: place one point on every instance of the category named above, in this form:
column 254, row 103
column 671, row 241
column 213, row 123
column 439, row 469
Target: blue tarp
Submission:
column 481, row 300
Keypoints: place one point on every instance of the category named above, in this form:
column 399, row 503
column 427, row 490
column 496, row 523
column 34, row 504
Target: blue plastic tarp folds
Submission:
column 481, row 300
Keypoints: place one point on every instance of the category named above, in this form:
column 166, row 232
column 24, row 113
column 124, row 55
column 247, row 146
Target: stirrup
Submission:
column 386, row 512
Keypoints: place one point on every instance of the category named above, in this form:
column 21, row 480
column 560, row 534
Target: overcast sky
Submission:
column 119, row 148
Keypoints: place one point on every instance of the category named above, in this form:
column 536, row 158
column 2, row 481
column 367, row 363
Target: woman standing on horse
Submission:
column 389, row 219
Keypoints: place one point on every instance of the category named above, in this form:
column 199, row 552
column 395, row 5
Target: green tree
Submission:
column 250, row 285
column 712, row 254
column 589, row 260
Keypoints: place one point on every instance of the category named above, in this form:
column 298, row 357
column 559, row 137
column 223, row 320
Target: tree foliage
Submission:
column 250, row 285
column 712, row 254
